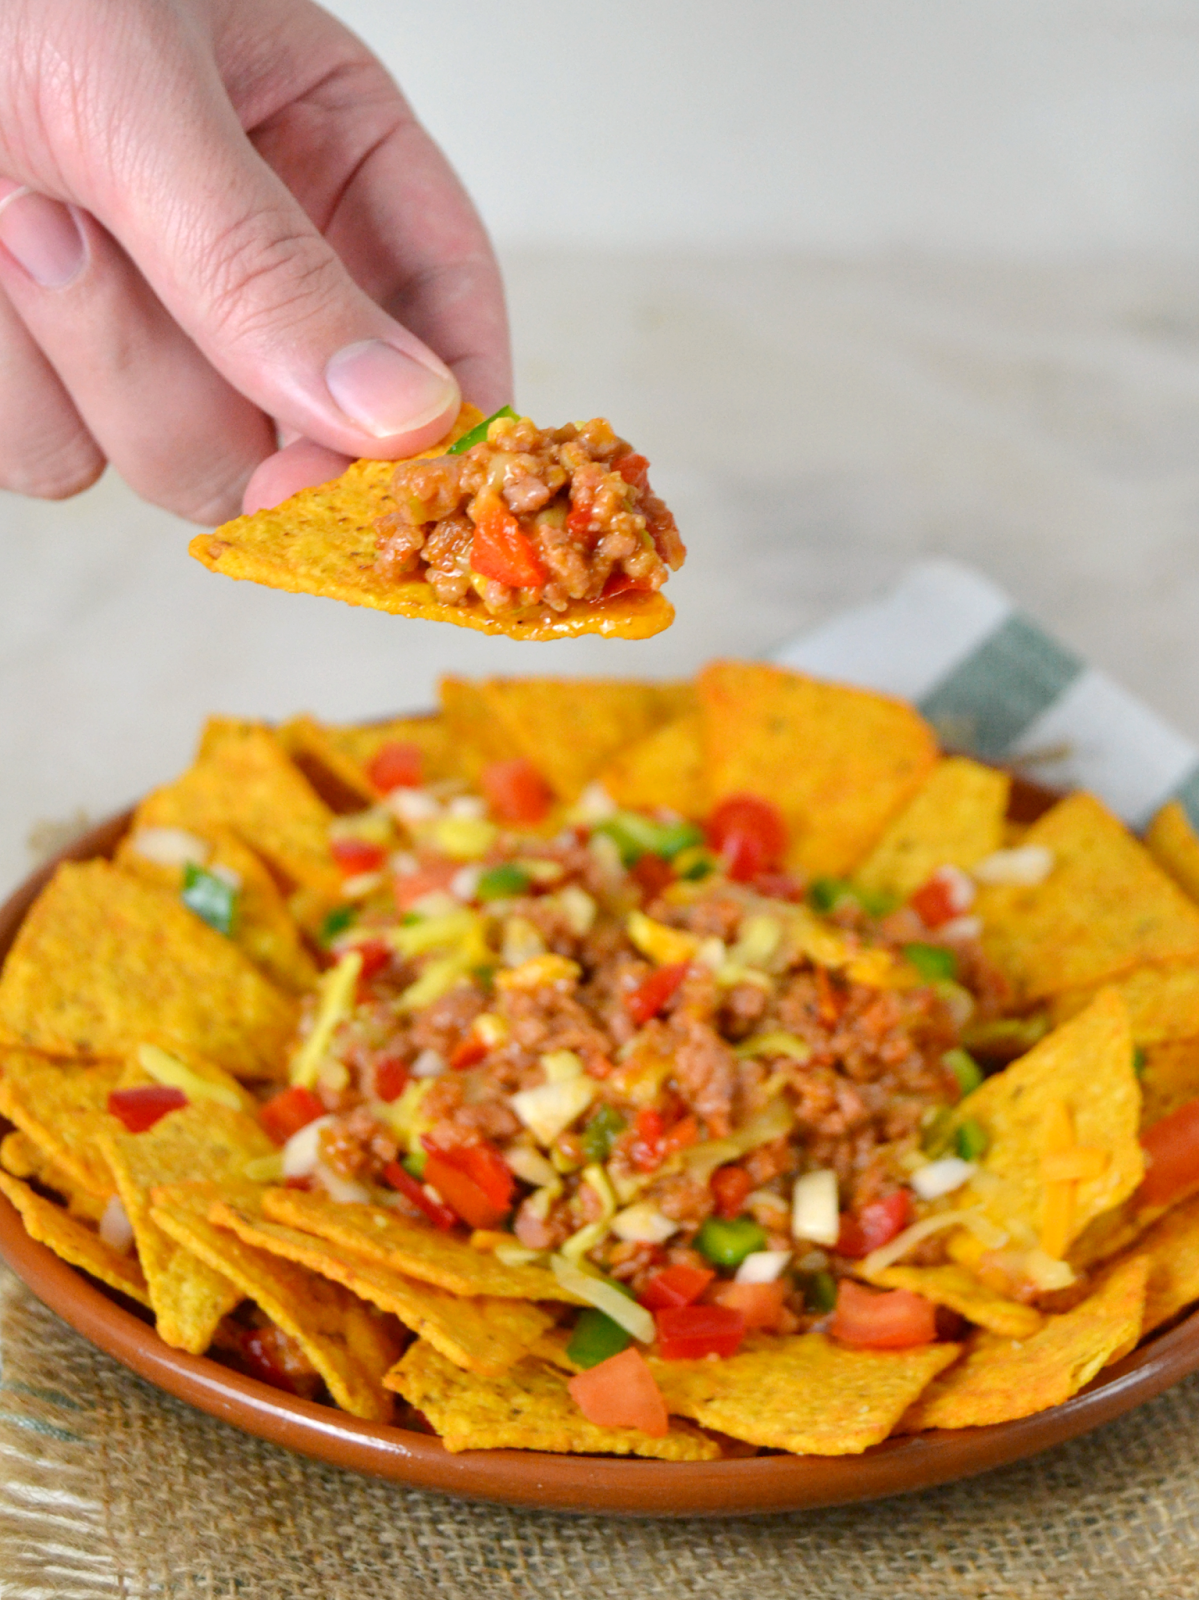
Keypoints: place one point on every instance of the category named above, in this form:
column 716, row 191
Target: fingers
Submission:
column 300, row 465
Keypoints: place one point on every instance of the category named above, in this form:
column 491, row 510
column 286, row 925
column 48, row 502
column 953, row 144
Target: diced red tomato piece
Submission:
column 688, row 1333
column 890, row 1319
column 578, row 520
column 413, row 886
column 259, row 1352
column 748, row 834
column 140, row 1109
column 404, row 1183
column 676, row 1285
column 357, row 855
column 651, row 875
column 468, row 1053
column 396, row 765
column 1171, row 1149
column 391, row 1076
column 679, row 1136
column 288, row 1111
column 933, row 903
column 501, row 550
column 652, row 993
column 516, row 791
column 621, row 1393
column 761, row 1304
column 729, row 1186
column 875, row 1225
column 645, row 1149
column 634, row 469
column 375, row 956
column 620, row 583
column 483, row 1164
column 307, row 1182
column 462, row 1194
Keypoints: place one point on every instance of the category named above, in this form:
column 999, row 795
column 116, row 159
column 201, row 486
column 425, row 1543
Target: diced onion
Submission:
column 343, row 1190
column 815, row 1210
column 413, row 806
column 170, row 847
column 472, row 806
column 360, row 885
column 593, row 805
column 762, row 1266
column 604, row 1297
column 428, row 1065
column 464, row 885
column 302, row 1150
column 773, row 1123
column 1026, row 865
column 550, row 1109
column 961, row 928
column 577, row 907
column 942, row 1177
column 959, row 887
column 529, row 1165
column 228, row 876
column 164, row 1068
column 115, row 1227
column 560, row 1066
column 643, row 1223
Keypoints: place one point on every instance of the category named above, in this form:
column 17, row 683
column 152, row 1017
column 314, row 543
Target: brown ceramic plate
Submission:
column 559, row 1483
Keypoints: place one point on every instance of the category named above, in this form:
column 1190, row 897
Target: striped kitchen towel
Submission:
column 993, row 683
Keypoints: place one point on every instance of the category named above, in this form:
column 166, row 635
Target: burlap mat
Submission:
column 111, row 1489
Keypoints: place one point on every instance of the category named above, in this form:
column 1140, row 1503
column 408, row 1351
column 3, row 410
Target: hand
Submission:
column 219, row 216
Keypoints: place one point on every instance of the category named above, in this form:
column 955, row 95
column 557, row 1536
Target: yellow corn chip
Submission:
column 839, row 763
column 476, row 737
column 334, row 775
column 104, row 962
column 665, row 768
column 21, row 1157
column 960, row 1291
column 60, row 1107
column 1170, row 1078
column 1174, row 845
column 1105, row 908
column 74, row 1241
column 1171, row 1246
column 804, row 1393
column 484, row 1335
column 316, row 1313
column 1002, row 1379
column 411, row 1248
column 528, row 1408
column 955, row 820
column 1085, row 1066
column 361, row 743
column 201, row 1142
column 1162, row 1001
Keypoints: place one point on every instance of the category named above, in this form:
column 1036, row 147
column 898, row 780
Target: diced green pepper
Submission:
column 933, row 962
column 210, row 897
column 970, row 1141
column 820, row 1292
column 965, row 1069
column 1139, row 1061
column 636, row 835
column 694, row 863
column 601, row 1133
column 595, row 1338
column 338, row 920
column 479, row 433
column 675, row 837
column 1007, row 1037
column 826, row 894
column 726, row 1244
column 414, row 1164
column 936, row 1132
column 503, row 882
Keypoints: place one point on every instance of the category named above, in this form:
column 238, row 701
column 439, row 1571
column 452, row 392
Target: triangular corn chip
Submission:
column 60, row 1106
column 1174, row 845
column 361, row 743
column 1171, row 1246
column 955, row 820
column 1162, row 1001
column 336, row 776
column 74, row 1241
column 665, row 768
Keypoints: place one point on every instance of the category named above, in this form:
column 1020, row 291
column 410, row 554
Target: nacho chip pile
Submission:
column 656, row 1069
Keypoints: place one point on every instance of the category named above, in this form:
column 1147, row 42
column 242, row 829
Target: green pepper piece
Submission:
column 503, row 882
column 965, row 1069
column 826, row 894
column 933, row 962
column 1139, row 1061
column 675, row 837
column 636, row 836
column 694, row 863
column 478, row 433
column 971, row 1141
column 601, row 1133
column 936, row 1132
column 414, row 1164
column 820, row 1292
column 338, row 920
column 1006, row 1036
column 210, row 897
column 595, row 1338
column 727, row 1243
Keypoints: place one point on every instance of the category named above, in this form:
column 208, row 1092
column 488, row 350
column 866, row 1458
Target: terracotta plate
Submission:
column 560, row 1483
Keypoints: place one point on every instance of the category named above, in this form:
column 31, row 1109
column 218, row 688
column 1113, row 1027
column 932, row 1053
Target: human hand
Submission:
column 217, row 216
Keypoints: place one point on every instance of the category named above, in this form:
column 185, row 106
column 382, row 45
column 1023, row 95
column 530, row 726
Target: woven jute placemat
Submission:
column 110, row 1489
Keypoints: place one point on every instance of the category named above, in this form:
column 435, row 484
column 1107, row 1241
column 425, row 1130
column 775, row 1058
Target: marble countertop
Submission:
column 816, row 425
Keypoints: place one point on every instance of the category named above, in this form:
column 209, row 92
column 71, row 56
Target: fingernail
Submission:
column 385, row 391
column 43, row 235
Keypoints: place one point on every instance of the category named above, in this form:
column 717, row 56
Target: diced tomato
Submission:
column 288, row 1111
column 516, row 791
column 357, row 855
column 414, row 886
column 947, row 894
column 375, row 956
column 688, row 1333
column 651, row 875
column 621, row 1393
column 140, row 1109
column 307, row 1182
column 648, row 998
column 875, row 1225
column 634, row 469
column 1171, row 1149
column 463, row 1194
column 761, row 1304
column 680, row 1136
column 440, row 1216
column 578, row 520
column 483, row 1164
column 729, row 1186
column 468, row 1053
column 259, row 1352
column 396, row 765
column 646, row 1145
column 620, row 583
column 391, row 1076
column 676, row 1285
column 749, row 835
column 501, row 550
column 890, row 1319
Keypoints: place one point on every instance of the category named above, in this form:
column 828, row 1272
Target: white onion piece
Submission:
column 762, row 1266
column 942, row 1177
column 643, row 1223
column 550, row 1109
column 343, row 1190
column 627, row 1313
column 115, row 1227
column 428, row 1065
column 1026, row 865
column 815, row 1210
column 170, row 847
column 302, row 1150
column 530, row 1166
column 413, row 806
column 464, row 885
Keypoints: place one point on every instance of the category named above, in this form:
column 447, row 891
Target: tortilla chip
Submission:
column 529, row 1408
column 264, row 928
column 665, row 768
column 75, row 1242
column 1174, row 845
column 839, row 763
column 1105, row 908
column 361, row 742
column 60, row 1106
column 379, row 1234
column 317, row 1314
column 22, row 1158
column 1086, row 1065
column 1162, row 1001
column 1002, row 1379
column 484, row 1335
column 1170, row 1078
column 476, row 737
column 1171, row 1246
column 803, row 1393
column 334, row 775
column 960, row 1291
column 104, row 962
column 201, row 1142
column 955, row 820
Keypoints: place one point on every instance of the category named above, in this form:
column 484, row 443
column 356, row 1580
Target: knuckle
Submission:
column 266, row 274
